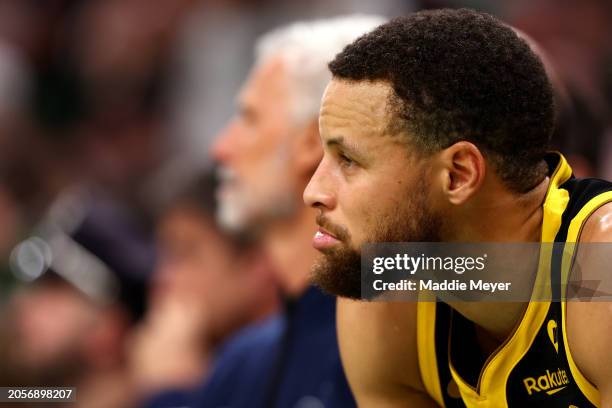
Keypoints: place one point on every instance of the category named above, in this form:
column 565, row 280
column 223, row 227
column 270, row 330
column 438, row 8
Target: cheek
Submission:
column 367, row 217
column 247, row 146
column 356, row 208
column 48, row 336
column 260, row 156
column 365, row 206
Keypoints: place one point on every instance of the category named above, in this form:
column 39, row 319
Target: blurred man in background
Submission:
column 86, row 268
column 267, row 154
column 63, row 338
column 206, row 286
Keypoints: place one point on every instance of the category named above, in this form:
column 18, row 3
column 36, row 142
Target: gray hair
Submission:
column 306, row 48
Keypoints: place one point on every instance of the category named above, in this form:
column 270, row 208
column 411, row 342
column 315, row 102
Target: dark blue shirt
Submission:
column 291, row 360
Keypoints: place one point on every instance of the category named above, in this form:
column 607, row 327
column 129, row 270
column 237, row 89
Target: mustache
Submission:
column 225, row 174
column 337, row 231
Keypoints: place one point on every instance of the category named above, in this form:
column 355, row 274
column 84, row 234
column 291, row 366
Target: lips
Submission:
column 324, row 239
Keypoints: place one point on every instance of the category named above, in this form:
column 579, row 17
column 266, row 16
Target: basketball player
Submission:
column 435, row 127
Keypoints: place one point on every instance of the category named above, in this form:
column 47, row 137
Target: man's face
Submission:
column 51, row 323
column 196, row 269
column 194, row 258
column 200, row 271
column 254, row 152
column 369, row 187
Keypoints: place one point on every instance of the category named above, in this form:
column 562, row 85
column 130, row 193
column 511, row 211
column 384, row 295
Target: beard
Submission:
column 338, row 270
column 243, row 209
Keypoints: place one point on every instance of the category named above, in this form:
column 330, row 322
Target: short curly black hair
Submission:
column 460, row 74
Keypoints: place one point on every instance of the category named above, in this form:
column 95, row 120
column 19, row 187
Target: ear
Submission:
column 308, row 151
column 464, row 166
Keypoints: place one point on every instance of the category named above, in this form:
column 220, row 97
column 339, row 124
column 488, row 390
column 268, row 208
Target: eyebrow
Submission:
column 339, row 142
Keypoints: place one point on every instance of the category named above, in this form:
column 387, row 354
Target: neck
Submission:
column 289, row 245
column 521, row 222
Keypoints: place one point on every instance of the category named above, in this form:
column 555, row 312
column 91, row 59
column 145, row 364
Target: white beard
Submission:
column 242, row 209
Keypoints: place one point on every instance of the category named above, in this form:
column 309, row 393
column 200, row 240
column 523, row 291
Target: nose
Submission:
column 221, row 149
column 319, row 192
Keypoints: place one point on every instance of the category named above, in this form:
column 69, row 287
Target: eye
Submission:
column 345, row 161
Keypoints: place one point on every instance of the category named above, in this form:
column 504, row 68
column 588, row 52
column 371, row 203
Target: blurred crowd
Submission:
column 115, row 276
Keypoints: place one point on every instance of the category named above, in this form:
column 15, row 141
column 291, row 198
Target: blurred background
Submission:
column 107, row 233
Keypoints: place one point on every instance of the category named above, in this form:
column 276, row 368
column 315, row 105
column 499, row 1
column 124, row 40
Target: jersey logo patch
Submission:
column 550, row 383
column 552, row 334
column 453, row 390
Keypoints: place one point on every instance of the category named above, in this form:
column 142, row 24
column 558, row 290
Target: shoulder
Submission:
column 241, row 364
column 598, row 227
column 249, row 350
column 255, row 337
column 589, row 323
